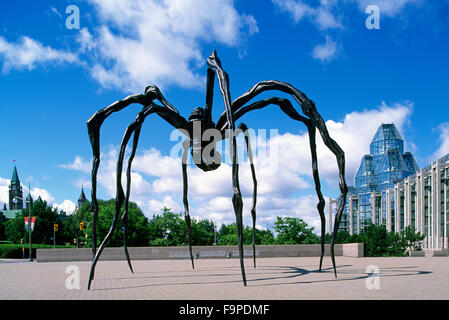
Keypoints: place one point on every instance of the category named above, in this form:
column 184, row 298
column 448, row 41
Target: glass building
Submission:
column 391, row 190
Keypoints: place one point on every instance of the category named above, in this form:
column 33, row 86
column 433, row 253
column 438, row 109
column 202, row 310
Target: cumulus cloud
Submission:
column 67, row 206
column 138, row 43
column 4, row 187
column 144, row 42
column 443, row 140
column 327, row 51
column 327, row 16
column 28, row 53
column 78, row 164
column 355, row 133
column 320, row 15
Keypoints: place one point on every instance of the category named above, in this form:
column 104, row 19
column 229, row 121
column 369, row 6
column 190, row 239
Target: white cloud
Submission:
column 327, row 15
column 55, row 11
column 145, row 42
column 443, row 128
column 78, row 165
column 67, row 206
column 155, row 206
column 355, row 133
column 85, row 40
column 321, row 16
column 38, row 192
column 138, row 43
column 27, row 53
column 327, row 51
column 4, row 187
column 35, row 193
column 387, row 7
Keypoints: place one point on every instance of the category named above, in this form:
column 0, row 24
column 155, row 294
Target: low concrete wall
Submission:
column 416, row 253
column 436, row 252
column 199, row 252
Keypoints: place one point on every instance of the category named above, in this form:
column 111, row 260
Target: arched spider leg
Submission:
column 290, row 111
column 309, row 109
column 171, row 117
column 243, row 128
column 214, row 64
column 93, row 127
column 186, row 146
column 316, row 177
column 128, row 192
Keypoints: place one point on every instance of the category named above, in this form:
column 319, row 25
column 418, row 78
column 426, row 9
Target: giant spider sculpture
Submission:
column 202, row 119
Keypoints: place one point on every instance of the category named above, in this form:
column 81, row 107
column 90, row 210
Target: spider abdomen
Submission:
column 204, row 153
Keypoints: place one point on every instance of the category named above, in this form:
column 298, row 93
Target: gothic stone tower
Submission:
column 15, row 190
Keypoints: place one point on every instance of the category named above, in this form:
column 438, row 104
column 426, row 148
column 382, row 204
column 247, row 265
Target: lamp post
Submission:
column 15, row 200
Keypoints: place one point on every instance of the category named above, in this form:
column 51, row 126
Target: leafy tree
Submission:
column 170, row 229
column 167, row 229
column 46, row 217
column 15, row 229
column 228, row 235
column 379, row 242
column 294, row 231
column 2, row 230
column 137, row 231
column 412, row 238
column 343, row 236
column 202, row 232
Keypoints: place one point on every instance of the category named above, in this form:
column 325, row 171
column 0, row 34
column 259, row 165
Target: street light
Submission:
column 15, row 200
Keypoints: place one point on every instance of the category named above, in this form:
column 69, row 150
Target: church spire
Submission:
column 82, row 197
column 15, row 178
column 15, row 191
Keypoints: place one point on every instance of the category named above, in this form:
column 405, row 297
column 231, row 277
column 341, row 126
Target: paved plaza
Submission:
column 274, row 278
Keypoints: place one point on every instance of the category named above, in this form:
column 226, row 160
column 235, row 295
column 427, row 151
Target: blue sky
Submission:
column 54, row 78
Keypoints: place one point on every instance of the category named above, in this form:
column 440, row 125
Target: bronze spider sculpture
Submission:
column 201, row 119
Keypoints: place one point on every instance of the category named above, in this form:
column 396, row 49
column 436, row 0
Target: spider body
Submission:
column 202, row 134
column 204, row 153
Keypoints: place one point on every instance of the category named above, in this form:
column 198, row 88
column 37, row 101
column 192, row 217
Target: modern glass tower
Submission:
column 386, row 165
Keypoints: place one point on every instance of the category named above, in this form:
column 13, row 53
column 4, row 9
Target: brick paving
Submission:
column 274, row 278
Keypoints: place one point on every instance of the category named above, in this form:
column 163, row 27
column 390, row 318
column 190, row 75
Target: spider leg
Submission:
column 167, row 114
column 309, row 109
column 186, row 147
column 316, row 177
column 93, row 127
column 128, row 191
column 243, row 128
column 214, row 64
column 288, row 109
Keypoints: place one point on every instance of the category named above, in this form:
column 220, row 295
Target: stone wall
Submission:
column 199, row 252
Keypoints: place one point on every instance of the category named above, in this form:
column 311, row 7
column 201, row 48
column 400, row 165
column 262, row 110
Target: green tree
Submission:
column 167, row 229
column 294, row 231
column 15, row 229
column 412, row 238
column 170, row 229
column 379, row 242
column 137, row 231
column 46, row 217
column 202, row 232
column 228, row 235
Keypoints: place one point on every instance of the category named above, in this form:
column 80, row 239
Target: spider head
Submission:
column 197, row 114
column 204, row 153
